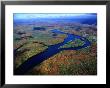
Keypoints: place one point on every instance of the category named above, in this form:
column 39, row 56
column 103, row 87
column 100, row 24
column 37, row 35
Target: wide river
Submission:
column 50, row 51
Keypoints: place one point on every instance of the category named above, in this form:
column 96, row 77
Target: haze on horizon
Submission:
column 21, row 16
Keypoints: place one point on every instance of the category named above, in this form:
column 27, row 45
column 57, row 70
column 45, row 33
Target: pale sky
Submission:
column 48, row 15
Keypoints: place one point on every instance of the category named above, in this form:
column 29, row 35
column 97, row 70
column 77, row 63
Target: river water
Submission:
column 50, row 51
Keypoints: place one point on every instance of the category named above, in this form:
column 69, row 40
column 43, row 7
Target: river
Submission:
column 50, row 51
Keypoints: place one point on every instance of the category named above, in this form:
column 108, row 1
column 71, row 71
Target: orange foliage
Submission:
column 52, row 65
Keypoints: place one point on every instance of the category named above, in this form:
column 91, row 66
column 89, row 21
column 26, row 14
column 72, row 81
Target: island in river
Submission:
column 55, row 45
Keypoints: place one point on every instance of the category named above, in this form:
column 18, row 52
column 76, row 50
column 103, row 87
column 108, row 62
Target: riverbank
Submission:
column 50, row 51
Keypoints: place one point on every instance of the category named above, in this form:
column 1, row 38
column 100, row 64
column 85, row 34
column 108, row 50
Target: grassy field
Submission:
column 75, row 43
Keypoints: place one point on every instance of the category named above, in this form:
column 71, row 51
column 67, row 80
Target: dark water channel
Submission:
column 50, row 51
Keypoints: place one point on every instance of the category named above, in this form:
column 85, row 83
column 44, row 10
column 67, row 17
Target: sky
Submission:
column 51, row 15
